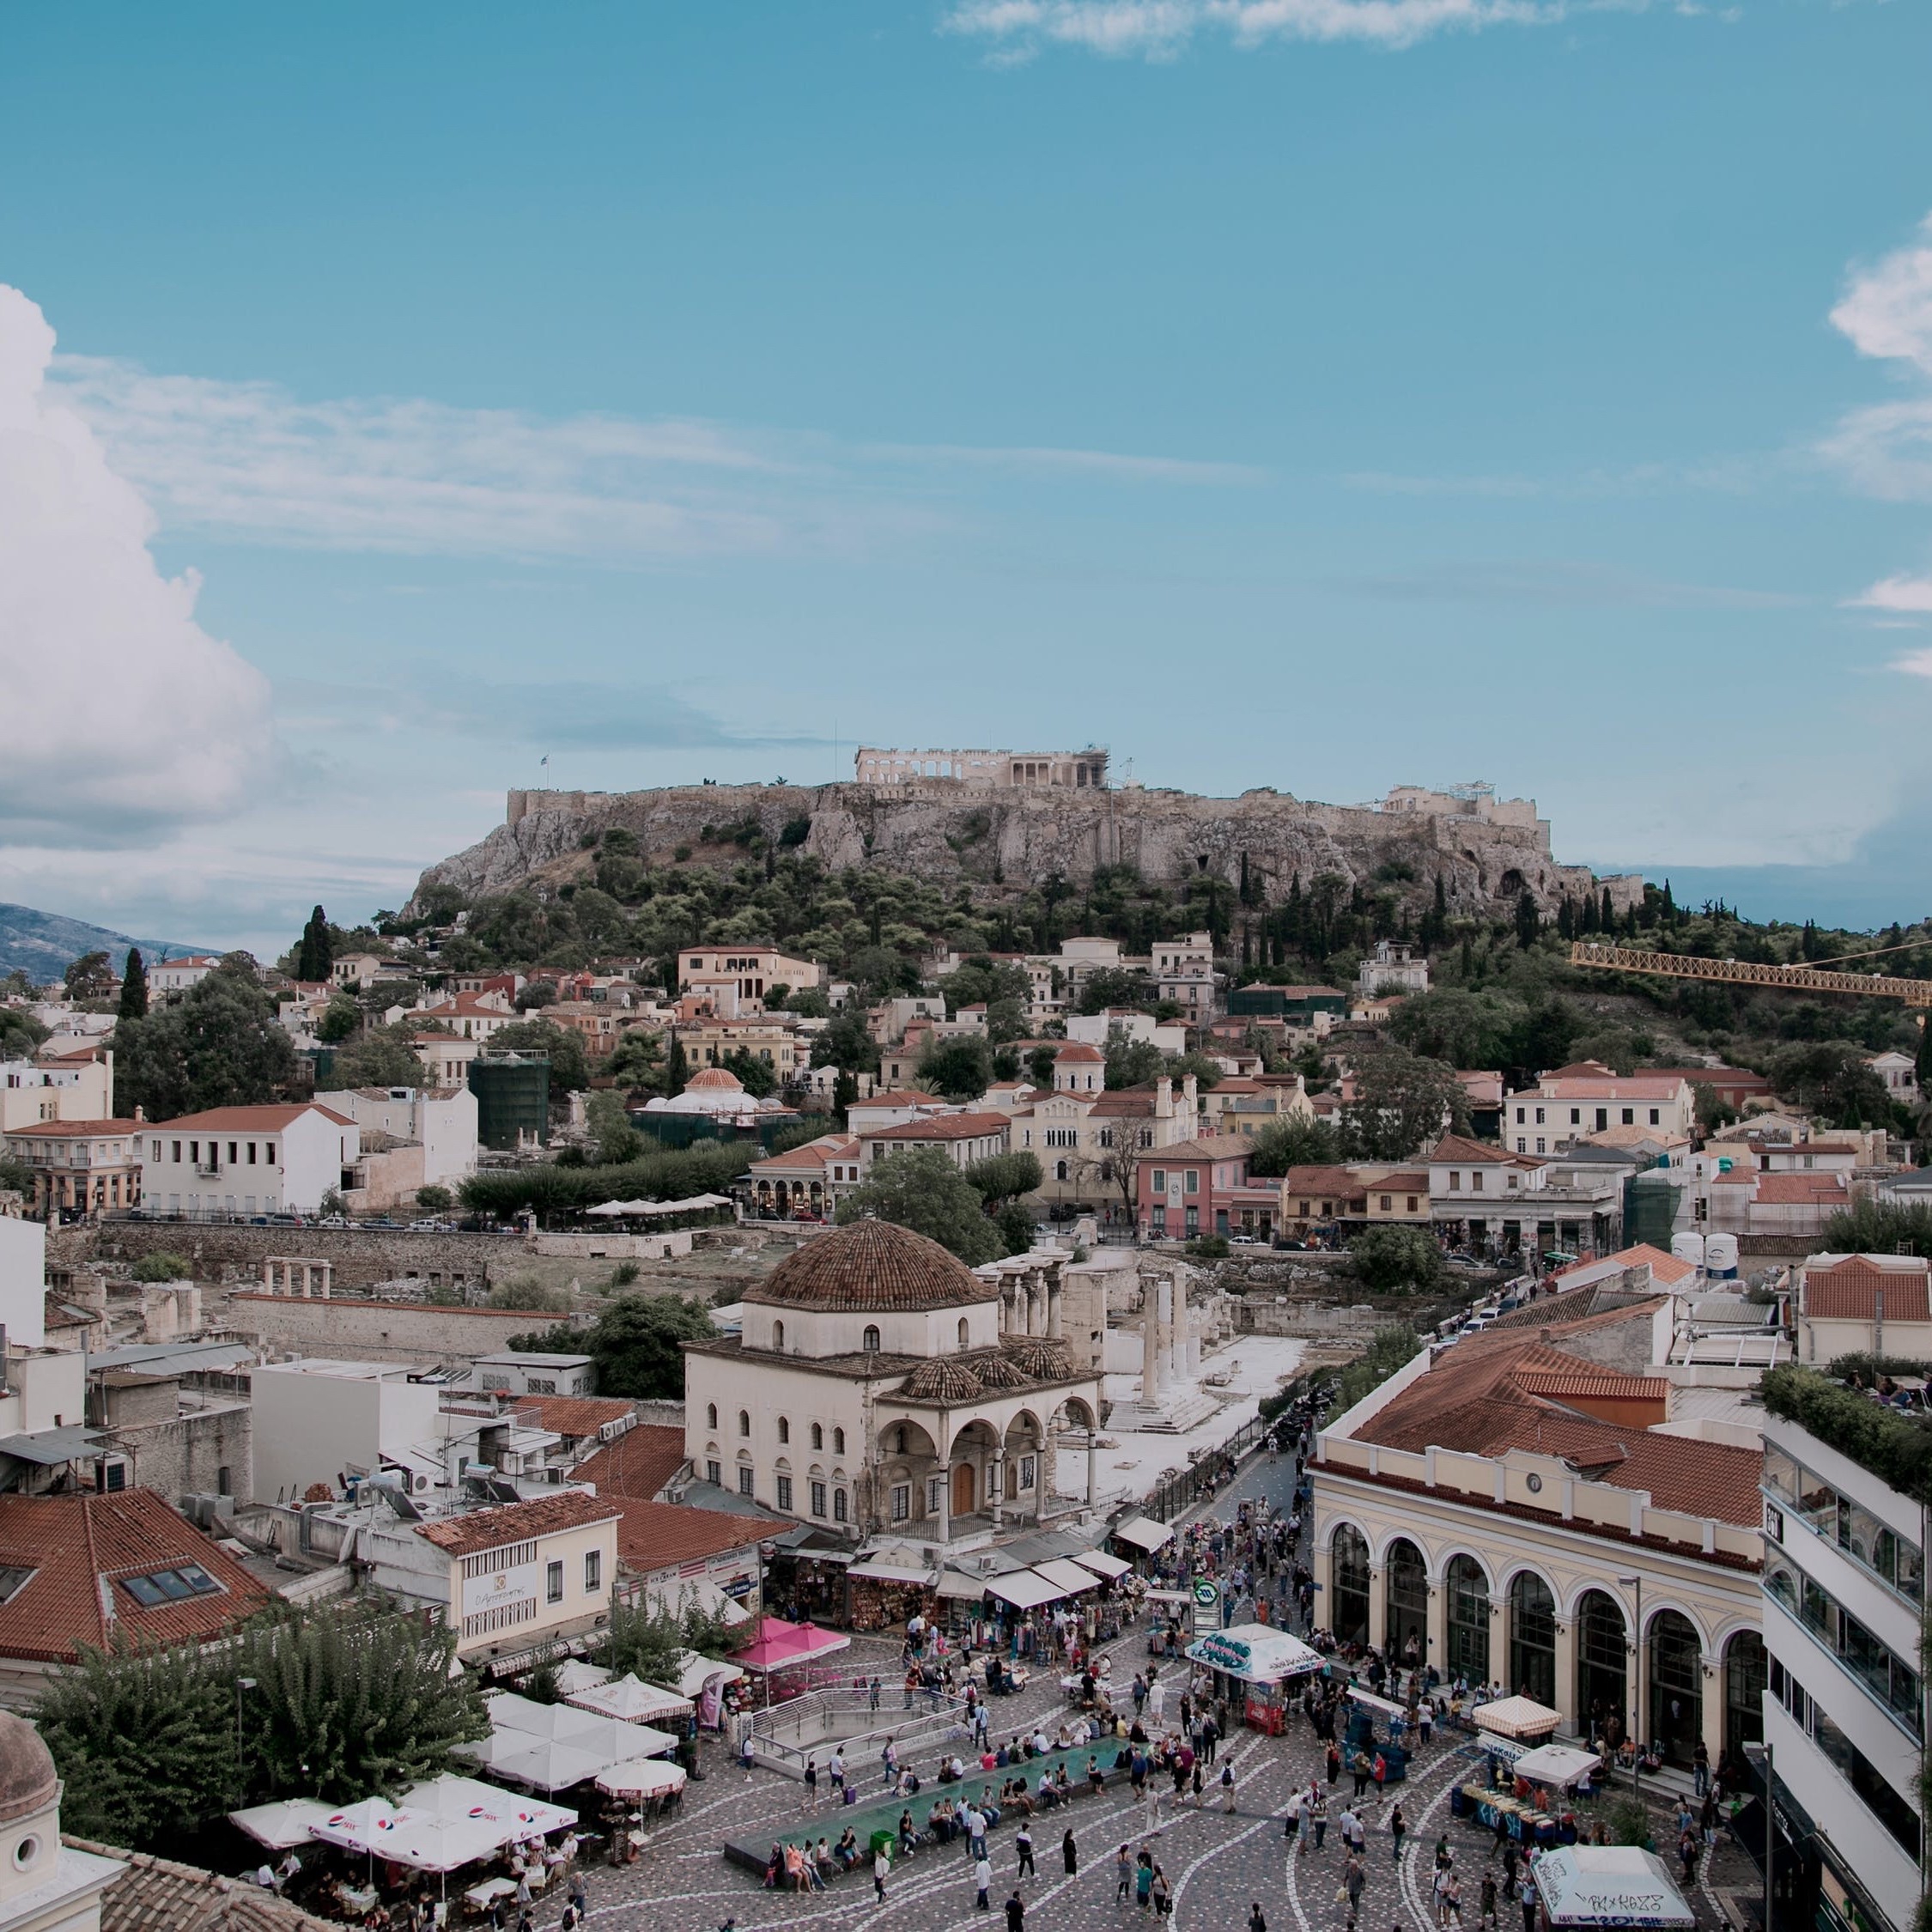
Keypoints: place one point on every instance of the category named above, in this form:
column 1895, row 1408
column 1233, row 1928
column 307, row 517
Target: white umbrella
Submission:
column 632, row 1700
column 642, row 1777
column 542, row 1762
column 284, row 1825
column 695, row 1673
column 369, row 1826
column 577, row 1675
column 441, row 1844
column 514, row 1815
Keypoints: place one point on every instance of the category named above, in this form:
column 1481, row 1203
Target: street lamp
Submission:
column 1636, row 1691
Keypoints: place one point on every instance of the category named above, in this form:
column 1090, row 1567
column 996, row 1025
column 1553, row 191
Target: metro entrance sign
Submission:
column 1207, row 1606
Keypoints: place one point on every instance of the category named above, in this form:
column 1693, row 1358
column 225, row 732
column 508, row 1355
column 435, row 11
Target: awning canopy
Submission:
column 279, row 1826
column 695, row 1673
column 778, row 1645
column 1560, row 1765
column 952, row 1584
column 1616, row 1885
column 613, row 1210
column 1143, row 1532
column 574, row 1674
column 1255, row 1654
column 699, row 1593
column 1025, row 1589
column 1102, row 1565
column 631, row 1700
column 1072, row 1577
column 1516, row 1717
column 643, row 1777
column 890, row 1572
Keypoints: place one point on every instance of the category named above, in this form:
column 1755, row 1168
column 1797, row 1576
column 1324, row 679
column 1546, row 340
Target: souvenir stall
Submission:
column 1588, row 1886
column 1379, row 1726
column 1508, row 1730
column 1259, row 1663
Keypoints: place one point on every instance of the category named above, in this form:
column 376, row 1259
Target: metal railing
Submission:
column 786, row 1734
column 1174, row 1495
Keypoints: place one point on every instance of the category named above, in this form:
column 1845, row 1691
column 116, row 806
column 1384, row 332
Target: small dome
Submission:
column 28, row 1782
column 944, row 1380
column 996, row 1371
column 869, row 1266
column 721, row 1078
column 1041, row 1358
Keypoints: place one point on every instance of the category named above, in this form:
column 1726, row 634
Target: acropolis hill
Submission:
column 1004, row 831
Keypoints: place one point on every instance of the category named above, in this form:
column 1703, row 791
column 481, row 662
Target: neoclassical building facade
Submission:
column 1481, row 1513
column 880, row 1387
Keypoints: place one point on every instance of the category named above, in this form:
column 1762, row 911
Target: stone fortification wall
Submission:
column 952, row 834
column 232, row 1256
column 371, row 1331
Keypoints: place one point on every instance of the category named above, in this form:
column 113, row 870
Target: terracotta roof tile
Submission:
column 543, row 1516
column 73, row 1130
column 1460, row 1147
column 1849, row 1292
column 637, row 1466
column 579, row 1417
column 943, row 1127
column 871, row 1265
column 157, row 1895
column 80, row 1546
column 652, row 1536
column 248, row 1120
column 1791, row 1190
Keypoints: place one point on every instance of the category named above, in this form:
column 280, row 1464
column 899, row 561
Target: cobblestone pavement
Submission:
column 1217, row 1864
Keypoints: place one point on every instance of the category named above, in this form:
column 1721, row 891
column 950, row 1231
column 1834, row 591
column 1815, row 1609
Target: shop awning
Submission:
column 695, row 1673
column 631, row 1701
column 1072, row 1578
column 1102, row 1565
column 960, row 1589
column 1517, row 1718
column 1025, row 1589
column 891, row 1572
column 779, row 1645
column 1143, row 1532
column 1616, row 1885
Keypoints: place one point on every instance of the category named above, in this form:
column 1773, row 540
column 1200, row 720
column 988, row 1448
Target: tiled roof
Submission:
column 1569, row 1085
column 1665, row 1268
column 637, row 1466
column 79, row 1545
column 1324, row 1180
column 248, row 1120
column 651, row 1536
column 545, row 1516
column 899, row 1097
column 943, row 1380
column 1079, row 1051
column 1479, row 1400
column 1849, row 1292
column 1202, row 1147
column 810, row 1156
column 1567, row 1384
column 575, row 1416
column 157, row 1895
column 943, row 1127
column 73, row 1130
column 1460, row 1147
column 871, row 1265
column 1794, row 1190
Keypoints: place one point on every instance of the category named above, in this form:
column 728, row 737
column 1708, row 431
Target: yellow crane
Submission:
column 1743, row 972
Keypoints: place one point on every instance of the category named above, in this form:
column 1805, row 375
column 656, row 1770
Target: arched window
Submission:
column 710, row 1415
column 817, row 1435
column 1744, row 1693
column 840, row 1510
column 1405, row 1613
column 870, row 1342
column 963, row 1331
column 1468, row 1619
column 778, row 1334
column 899, row 1440
column 1059, row 1170
column 784, row 1430
column 744, row 1422
column 1602, row 1674
column 838, row 1442
column 1532, row 1638
column 1349, row 1571
column 1675, row 1676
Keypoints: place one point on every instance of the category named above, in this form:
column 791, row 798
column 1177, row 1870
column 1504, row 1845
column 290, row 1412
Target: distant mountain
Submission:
column 43, row 946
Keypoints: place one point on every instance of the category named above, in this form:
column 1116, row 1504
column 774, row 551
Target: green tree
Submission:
column 755, row 1074
column 219, row 1045
column 1829, row 1078
column 1004, row 1177
column 921, row 1189
column 1711, row 1112
column 1923, row 1063
column 1015, row 1226
column 1390, row 1258
column 315, row 956
column 1461, row 1027
column 1132, row 1063
column 382, row 1057
column 677, row 1066
column 89, row 977
column 635, row 1343
column 434, row 1198
column 1402, row 1104
column 1529, row 921
column 1117, row 986
column 133, row 986
column 163, row 1265
column 960, row 1068
column 637, row 1060
column 21, row 1034
column 845, row 1044
column 569, row 1065
column 1871, row 1227
column 1294, row 1143
column 1388, row 1350
column 618, row 1140
column 1205, row 1069
column 340, row 1022
column 526, row 1291
column 534, row 994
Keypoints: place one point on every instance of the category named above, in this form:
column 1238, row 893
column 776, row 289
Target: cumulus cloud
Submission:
column 1885, row 450
column 1160, row 29
column 249, row 461
column 123, row 717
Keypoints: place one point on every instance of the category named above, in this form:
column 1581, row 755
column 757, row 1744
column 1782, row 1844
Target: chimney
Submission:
column 1164, row 1098
column 1189, row 1099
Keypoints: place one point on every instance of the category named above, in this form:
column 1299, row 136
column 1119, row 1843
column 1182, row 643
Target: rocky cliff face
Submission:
column 1014, row 840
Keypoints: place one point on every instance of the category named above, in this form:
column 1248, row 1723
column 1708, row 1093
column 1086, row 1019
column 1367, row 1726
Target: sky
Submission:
column 1321, row 394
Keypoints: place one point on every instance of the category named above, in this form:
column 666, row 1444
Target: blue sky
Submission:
column 1310, row 393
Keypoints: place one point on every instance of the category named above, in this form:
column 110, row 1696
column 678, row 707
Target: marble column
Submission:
column 1166, row 1341
column 1436, row 1650
column 1190, row 1322
column 1711, row 1713
column 1093, row 1465
column 1055, row 1295
column 1150, row 1348
column 945, row 1501
column 1378, row 1607
column 1574, row 1721
column 998, row 1488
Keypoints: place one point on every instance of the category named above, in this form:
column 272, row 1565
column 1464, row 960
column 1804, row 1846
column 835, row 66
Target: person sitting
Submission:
column 907, row 1837
column 846, row 1851
column 823, row 1858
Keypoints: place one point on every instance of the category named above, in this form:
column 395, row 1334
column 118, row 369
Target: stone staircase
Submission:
column 1173, row 1415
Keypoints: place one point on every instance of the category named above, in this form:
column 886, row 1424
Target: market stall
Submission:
column 1562, row 1767
column 1142, row 1535
column 1607, row 1884
column 1263, row 1660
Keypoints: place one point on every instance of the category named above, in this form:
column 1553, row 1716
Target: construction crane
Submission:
column 1741, row 972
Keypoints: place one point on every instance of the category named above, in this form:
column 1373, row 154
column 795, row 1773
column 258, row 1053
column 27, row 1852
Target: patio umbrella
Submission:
column 282, row 1826
column 632, row 1700
column 643, row 1777
column 514, row 1815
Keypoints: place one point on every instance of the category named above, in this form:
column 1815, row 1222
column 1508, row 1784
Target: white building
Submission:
column 73, row 1089
column 1575, row 1101
column 1183, row 972
column 442, row 1120
column 1392, row 967
column 1899, row 1073
column 45, row 1885
column 1843, row 1590
column 320, row 1421
column 179, row 975
column 247, row 1160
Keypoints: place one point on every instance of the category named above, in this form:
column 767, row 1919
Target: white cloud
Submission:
column 1886, row 310
column 247, row 460
column 123, row 716
column 1915, row 664
column 1160, row 29
column 1908, row 595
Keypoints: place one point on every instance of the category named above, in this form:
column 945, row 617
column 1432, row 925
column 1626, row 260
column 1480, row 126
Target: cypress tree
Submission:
column 133, row 986
column 314, row 957
column 1607, row 921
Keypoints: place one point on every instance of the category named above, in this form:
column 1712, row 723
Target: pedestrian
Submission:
column 811, row 1784
column 1069, row 1853
column 1354, row 1878
column 1022, row 1844
column 1335, row 1761
column 1358, row 1769
column 889, row 1760
column 1398, row 1827
column 1144, row 1882
column 1164, row 1894
column 1486, row 1903
column 1320, row 1808
column 1227, row 1786
column 1123, row 1876
column 881, row 1866
column 982, row 1883
column 875, row 1692
column 1016, row 1913
column 1526, row 1900
column 1700, row 1765
column 1257, row 1923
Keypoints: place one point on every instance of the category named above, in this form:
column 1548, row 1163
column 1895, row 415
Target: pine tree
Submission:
column 1565, row 919
column 314, row 957
column 133, row 986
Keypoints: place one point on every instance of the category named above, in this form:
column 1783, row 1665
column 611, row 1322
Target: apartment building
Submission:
column 247, row 1160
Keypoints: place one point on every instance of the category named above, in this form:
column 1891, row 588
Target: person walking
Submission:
column 811, row 1784
column 1164, row 1893
column 1358, row 1769
column 1069, row 1853
column 1143, row 1881
column 1256, row 1922
column 982, row 1883
column 1016, row 1913
column 1319, row 1805
column 1485, row 1902
column 1398, row 1829
column 1354, row 1878
column 1227, row 1786
column 1123, row 1876
column 881, row 1867
column 1022, row 1844
column 1333, row 1755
